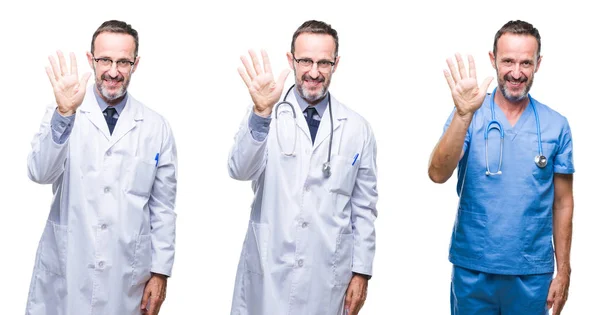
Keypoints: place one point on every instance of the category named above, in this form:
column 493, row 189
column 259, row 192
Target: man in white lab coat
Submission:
column 109, row 241
column 310, row 242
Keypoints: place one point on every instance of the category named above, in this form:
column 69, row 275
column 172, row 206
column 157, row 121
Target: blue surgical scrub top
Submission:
column 504, row 223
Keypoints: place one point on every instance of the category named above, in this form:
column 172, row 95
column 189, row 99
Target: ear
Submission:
column 135, row 64
column 493, row 60
column 290, row 59
column 90, row 59
column 539, row 62
column 337, row 62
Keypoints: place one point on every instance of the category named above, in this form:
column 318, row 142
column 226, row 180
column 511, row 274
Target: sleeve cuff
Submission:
column 259, row 126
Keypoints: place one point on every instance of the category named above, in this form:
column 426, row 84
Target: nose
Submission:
column 314, row 71
column 112, row 71
column 516, row 71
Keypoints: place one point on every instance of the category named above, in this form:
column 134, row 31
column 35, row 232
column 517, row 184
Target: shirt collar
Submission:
column 320, row 107
column 103, row 105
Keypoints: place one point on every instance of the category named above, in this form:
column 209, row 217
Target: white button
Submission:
column 101, row 264
column 103, row 226
column 300, row 263
column 108, row 153
column 107, row 189
column 304, row 224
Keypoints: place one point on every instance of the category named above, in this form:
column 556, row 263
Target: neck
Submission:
column 512, row 110
column 110, row 102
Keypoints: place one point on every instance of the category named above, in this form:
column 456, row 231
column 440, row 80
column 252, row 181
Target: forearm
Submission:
column 248, row 156
column 449, row 150
column 563, row 231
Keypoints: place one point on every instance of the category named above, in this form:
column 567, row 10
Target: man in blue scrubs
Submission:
column 515, row 183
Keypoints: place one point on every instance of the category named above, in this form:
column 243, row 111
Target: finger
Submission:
column 255, row 62
column 249, row 69
column 245, row 77
column 452, row 69
column 51, row 76
column 282, row 77
column 461, row 66
column 353, row 309
column 83, row 83
column 266, row 61
column 145, row 297
column 486, row 84
column 472, row 71
column 154, row 305
column 54, row 66
column 449, row 79
column 73, row 63
column 63, row 63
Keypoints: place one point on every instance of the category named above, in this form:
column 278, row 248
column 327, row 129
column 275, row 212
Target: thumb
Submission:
column 283, row 76
column 145, row 298
column 348, row 300
column 550, row 300
column 486, row 84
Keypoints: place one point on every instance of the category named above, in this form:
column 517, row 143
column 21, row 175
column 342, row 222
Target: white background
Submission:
column 392, row 57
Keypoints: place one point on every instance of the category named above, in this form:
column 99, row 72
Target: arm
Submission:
column 562, row 214
column 248, row 157
column 364, row 212
column 162, row 206
column 468, row 98
column 49, row 147
column 450, row 149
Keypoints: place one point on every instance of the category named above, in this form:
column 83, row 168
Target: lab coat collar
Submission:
column 132, row 113
column 339, row 114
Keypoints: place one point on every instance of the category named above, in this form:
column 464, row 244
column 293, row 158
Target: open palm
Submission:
column 69, row 89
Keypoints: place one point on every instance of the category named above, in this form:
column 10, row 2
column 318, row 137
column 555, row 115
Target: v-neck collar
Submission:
column 511, row 132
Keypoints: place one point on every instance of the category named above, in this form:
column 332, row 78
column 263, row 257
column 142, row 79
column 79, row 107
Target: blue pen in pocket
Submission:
column 156, row 159
column 355, row 157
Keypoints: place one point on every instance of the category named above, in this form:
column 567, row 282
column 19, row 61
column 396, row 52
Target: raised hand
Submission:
column 264, row 90
column 467, row 96
column 69, row 89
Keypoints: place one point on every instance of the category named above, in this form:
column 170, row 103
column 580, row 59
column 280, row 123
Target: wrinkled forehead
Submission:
column 315, row 46
column 517, row 45
column 114, row 45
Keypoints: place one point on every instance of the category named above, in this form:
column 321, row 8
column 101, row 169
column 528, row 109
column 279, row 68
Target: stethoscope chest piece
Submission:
column 327, row 169
column 541, row 161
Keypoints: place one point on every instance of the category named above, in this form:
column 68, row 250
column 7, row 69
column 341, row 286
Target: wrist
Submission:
column 265, row 113
column 65, row 113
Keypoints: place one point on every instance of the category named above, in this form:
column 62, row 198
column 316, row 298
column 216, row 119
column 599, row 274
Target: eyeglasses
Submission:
column 122, row 64
column 322, row 65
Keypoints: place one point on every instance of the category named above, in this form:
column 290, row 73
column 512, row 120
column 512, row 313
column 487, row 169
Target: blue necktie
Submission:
column 111, row 121
column 313, row 124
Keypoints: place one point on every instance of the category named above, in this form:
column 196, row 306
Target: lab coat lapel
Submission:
column 91, row 110
column 324, row 131
column 300, row 119
column 132, row 113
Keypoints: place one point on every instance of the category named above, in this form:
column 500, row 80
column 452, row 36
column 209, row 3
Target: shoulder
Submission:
column 549, row 115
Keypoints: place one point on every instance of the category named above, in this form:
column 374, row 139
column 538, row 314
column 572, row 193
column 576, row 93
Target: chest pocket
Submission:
column 343, row 174
column 141, row 176
column 544, row 173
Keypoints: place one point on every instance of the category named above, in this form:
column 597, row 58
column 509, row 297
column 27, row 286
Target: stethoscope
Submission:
column 326, row 165
column 540, row 160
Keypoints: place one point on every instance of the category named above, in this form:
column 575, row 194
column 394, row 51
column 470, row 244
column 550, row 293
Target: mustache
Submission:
column 118, row 78
column 306, row 77
column 509, row 77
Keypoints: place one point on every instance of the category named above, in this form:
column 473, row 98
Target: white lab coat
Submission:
column 112, row 218
column 306, row 233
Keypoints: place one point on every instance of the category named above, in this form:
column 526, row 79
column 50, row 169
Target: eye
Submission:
column 123, row 63
column 325, row 63
column 305, row 62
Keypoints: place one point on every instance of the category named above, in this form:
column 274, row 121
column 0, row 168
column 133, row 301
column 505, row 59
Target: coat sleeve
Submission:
column 364, row 211
column 46, row 161
column 248, row 157
column 162, row 206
